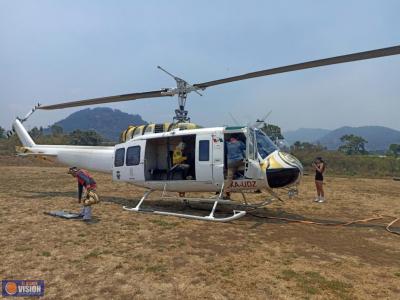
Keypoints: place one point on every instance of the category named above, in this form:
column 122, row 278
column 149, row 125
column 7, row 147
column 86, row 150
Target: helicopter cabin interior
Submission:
column 162, row 163
column 159, row 158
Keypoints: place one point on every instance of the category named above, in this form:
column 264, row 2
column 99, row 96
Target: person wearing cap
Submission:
column 85, row 181
column 236, row 153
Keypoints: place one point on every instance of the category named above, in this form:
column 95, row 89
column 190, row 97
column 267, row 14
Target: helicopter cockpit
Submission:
column 258, row 147
column 264, row 144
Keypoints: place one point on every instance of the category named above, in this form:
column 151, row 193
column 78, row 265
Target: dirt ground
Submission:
column 142, row 256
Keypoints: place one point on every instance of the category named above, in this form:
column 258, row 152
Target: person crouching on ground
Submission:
column 85, row 180
column 319, row 166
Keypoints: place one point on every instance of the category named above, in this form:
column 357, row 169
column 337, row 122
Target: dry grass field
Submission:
column 142, row 256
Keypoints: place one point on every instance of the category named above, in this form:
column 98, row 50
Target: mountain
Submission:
column 105, row 121
column 310, row 135
column 378, row 137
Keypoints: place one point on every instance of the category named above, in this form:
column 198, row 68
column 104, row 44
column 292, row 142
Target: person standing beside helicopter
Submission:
column 319, row 166
column 236, row 153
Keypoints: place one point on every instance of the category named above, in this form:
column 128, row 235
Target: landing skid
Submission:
column 211, row 217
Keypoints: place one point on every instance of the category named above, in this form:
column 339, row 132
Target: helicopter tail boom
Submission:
column 96, row 158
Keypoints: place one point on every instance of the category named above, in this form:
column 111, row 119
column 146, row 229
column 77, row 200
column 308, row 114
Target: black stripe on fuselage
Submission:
column 278, row 178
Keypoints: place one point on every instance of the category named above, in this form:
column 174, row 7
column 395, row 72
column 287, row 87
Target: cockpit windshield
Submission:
column 264, row 145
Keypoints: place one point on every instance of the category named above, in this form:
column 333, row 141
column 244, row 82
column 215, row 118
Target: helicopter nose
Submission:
column 285, row 173
column 278, row 178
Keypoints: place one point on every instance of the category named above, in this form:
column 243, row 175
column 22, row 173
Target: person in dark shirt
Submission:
column 319, row 166
column 85, row 181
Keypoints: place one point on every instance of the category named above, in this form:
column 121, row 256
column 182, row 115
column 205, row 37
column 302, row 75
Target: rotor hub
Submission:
column 183, row 88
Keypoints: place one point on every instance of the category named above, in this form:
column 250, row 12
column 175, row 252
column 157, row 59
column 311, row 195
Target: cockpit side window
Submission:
column 264, row 145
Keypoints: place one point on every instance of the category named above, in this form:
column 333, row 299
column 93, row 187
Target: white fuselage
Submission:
column 150, row 156
column 147, row 160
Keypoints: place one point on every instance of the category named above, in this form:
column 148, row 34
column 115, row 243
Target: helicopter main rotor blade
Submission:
column 117, row 98
column 306, row 65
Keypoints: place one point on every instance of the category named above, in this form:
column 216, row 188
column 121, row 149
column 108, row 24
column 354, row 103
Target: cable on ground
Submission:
column 307, row 222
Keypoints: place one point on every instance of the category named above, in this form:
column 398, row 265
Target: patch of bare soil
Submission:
column 127, row 255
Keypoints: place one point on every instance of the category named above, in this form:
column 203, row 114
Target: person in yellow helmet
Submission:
column 179, row 160
column 178, row 156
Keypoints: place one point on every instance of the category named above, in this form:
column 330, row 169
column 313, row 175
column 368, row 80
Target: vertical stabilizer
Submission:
column 23, row 135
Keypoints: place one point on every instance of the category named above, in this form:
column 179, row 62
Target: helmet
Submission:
column 181, row 145
column 73, row 170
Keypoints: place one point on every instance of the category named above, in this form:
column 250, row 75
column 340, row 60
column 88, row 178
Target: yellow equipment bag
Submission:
column 90, row 198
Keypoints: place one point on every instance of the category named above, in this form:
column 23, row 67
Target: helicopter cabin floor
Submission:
column 126, row 255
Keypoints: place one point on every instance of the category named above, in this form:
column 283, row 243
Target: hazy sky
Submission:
column 55, row 51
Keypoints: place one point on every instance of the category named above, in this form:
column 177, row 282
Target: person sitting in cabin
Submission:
column 179, row 161
column 85, row 180
column 236, row 153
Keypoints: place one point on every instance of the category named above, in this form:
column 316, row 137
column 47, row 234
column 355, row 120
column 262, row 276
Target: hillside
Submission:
column 378, row 137
column 305, row 135
column 106, row 121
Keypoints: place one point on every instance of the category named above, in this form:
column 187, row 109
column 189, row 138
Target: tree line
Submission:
column 351, row 145
column 350, row 159
column 53, row 136
column 76, row 137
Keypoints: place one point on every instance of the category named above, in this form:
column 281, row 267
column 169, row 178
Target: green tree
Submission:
column 353, row 144
column 306, row 146
column 272, row 131
column 2, row 131
column 35, row 132
column 89, row 138
column 56, row 130
column 394, row 150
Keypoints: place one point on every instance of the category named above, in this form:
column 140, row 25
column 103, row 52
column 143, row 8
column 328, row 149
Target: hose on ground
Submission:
column 307, row 222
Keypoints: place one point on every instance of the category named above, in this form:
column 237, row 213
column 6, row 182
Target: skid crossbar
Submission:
column 211, row 217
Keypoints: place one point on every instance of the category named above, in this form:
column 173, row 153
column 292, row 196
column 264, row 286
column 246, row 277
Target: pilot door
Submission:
column 129, row 161
column 252, row 166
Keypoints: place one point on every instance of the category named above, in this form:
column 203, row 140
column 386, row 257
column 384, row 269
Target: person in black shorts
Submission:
column 319, row 166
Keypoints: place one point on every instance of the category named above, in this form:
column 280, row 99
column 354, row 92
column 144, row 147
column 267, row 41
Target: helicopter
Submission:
column 144, row 155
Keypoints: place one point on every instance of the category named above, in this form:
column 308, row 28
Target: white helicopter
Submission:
column 144, row 156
